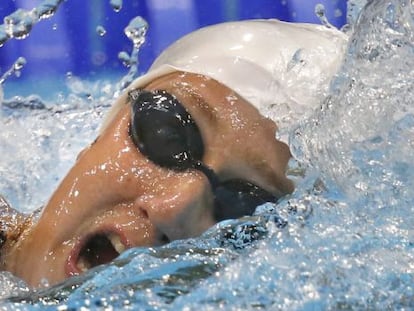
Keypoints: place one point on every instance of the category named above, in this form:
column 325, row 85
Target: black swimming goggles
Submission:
column 164, row 132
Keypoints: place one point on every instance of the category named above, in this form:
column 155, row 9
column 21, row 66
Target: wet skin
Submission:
column 115, row 191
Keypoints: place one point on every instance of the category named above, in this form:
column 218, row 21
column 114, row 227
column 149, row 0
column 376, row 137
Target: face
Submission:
column 118, row 196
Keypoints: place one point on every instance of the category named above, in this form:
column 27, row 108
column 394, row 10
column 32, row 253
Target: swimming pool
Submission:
column 349, row 238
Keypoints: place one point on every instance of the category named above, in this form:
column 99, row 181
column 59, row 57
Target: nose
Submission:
column 183, row 210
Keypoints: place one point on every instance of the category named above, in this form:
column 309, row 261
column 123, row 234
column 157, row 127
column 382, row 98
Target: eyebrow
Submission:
column 203, row 106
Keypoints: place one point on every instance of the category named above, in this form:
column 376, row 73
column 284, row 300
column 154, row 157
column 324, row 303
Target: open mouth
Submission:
column 97, row 249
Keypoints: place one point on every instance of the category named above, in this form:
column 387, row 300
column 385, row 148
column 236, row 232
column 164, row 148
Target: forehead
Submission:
column 190, row 89
column 207, row 99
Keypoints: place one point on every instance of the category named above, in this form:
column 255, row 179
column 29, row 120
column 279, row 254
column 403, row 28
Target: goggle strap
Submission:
column 209, row 173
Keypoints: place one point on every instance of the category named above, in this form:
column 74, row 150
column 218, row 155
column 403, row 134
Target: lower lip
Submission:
column 71, row 268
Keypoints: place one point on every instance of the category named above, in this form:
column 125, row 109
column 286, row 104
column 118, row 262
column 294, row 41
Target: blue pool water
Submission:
column 349, row 238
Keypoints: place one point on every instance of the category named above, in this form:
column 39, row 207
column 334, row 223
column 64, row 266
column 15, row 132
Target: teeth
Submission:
column 82, row 265
column 116, row 243
column 89, row 255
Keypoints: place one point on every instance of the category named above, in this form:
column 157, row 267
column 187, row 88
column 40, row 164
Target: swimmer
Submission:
column 185, row 146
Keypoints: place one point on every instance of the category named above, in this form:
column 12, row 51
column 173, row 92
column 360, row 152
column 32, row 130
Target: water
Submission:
column 15, row 69
column 19, row 24
column 344, row 239
column 116, row 5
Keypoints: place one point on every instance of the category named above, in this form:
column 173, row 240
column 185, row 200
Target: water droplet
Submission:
column 15, row 69
column 101, row 30
column 18, row 65
column 4, row 36
column 321, row 14
column 116, row 5
column 47, row 8
column 136, row 31
column 20, row 62
column 125, row 58
column 320, row 10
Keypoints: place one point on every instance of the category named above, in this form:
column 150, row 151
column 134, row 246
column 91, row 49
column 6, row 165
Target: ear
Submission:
column 12, row 224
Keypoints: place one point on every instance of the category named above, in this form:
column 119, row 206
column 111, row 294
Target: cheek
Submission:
column 114, row 168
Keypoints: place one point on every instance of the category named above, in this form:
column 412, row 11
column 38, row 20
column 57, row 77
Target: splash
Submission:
column 344, row 240
column 368, row 149
column 135, row 31
column 354, row 7
column 19, row 24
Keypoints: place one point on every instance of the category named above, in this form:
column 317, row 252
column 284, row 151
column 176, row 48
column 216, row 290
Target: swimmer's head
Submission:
column 183, row 148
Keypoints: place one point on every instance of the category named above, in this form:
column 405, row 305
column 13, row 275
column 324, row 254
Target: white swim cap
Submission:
column 267, row 62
